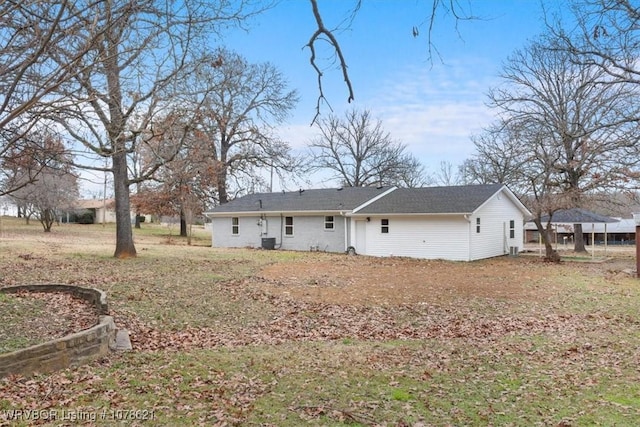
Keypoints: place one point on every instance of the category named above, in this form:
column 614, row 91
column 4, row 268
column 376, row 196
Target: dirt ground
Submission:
column 393, row 281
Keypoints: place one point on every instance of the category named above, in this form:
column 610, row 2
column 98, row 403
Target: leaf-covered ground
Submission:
column 247, row 337
column 30, row 318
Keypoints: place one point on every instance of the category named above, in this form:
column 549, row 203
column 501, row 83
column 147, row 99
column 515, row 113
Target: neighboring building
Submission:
column 461, row 223
column 595, row 227
column 94, row 211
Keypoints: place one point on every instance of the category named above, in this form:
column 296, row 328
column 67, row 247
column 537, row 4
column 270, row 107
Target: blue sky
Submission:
column 431, row 106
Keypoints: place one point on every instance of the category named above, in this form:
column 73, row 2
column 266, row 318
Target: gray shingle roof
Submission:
column 330, row 199
column 433, row 200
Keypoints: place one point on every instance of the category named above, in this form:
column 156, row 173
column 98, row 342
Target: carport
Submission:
column 570, row 217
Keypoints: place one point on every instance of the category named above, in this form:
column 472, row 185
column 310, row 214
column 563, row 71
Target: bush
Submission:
column 85, row 218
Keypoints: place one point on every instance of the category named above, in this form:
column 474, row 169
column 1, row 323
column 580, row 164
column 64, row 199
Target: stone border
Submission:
column 69, row 351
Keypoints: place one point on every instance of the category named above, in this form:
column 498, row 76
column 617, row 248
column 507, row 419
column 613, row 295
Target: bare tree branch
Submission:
column 331, row 39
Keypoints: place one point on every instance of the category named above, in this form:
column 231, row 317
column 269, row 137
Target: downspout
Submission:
column 468, row 218
column 281, row 230
column 346, row 241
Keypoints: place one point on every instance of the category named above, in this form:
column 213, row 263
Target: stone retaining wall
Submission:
column 69, row 351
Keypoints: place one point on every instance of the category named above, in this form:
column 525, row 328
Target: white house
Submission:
column 102, row 210
column 461, row 223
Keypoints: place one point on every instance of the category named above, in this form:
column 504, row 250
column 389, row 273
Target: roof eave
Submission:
column 276, row 213
column 360, row 214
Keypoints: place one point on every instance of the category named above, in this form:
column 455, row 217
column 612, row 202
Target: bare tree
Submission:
column 29, row 32
column 42, row 179
column 240, row 105
column 359, row 152
column 129, row 76
column 325, row 34
column 579, row 129
column 604, row 34
column 448, row 174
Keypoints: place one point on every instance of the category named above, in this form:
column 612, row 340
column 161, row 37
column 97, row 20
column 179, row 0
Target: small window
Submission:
column 512, row 229
column 384, row 226
column 235, row 225
column 328, row 223
column 288, row 226
column 477, row 225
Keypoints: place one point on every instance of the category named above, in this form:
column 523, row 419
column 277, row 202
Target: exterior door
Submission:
column 361, row 237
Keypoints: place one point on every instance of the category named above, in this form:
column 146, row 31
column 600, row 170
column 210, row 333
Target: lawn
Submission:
column 275, row 338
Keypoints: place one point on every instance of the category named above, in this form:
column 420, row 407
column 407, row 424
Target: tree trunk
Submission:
column 124, row 234
column 221, row 183
column 183, row 223
column 137, row 225
column 578, row 238
column 47, row 220
column 550, row 253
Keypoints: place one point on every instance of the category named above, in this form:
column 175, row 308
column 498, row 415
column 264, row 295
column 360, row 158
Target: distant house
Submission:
column 93, row 211
column 461, row 223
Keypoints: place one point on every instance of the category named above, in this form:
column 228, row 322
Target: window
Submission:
column 512, row 229
column 235, row 225
column 477, row 225
column 384, row 226
column 288, row 226
column 328, row 223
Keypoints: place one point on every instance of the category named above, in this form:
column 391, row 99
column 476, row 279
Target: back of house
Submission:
column 461, row 223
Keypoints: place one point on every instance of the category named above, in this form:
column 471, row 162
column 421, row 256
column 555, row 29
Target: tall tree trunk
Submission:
column 124, row 233
column 578, row 238
column 223, row 197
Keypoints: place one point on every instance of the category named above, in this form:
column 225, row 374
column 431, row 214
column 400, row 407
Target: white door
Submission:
column 361, row 237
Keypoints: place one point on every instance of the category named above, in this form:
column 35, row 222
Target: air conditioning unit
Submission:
column 513, row 251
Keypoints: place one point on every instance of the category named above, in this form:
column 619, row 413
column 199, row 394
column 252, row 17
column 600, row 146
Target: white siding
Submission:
column 432, row 237
column 249, row 233
column 308, row 232
column 493, row 239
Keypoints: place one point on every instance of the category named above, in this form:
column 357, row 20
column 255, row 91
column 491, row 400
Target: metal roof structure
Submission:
column 578, row 216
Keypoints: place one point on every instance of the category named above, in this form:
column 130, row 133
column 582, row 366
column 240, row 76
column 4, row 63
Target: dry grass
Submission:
column 248, row 337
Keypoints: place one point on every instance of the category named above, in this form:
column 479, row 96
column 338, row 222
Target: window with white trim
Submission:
column 235, row 225
column 512, row 229
column 329, row 223
column 384, row 226
column 477, row 225
column 288, row 226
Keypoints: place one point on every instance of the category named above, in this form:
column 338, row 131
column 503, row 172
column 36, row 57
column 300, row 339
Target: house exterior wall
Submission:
column 308, row 233
column 432, row 237
column 104, row 215
column 494, row 237
column 248, row 233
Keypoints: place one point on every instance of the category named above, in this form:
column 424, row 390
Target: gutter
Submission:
column 271, row 213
